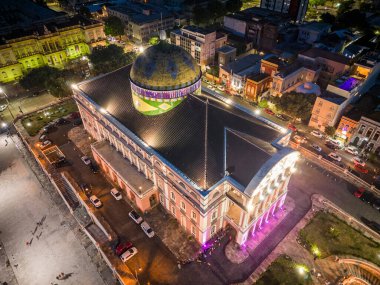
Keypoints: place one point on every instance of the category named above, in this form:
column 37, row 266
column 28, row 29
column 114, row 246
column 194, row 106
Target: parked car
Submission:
column 116, row 194
column 61, row 121
column 86, row 189
column 352, row 150
column 128, row 254
column 221, row 88
column 371, row 224
column 47, row 128
column 299, row 139
column 3, row 107
column 376, row 204
column 135, row 217
column 361, row 168
column 368, row 197
column 330, row 145
column 86, row 160
column 334, row 156
column 359, row 192
column 317, row 134
column 45, row 144
column 122, row 247
column 292, row 127
column 94, row 167
column 268, row 111
column 358, row 161
column 95, row 201
column 282, row 117
column 333, row 142
column 43, row 137
column 147, row 229
column 211, row 87
column 316, row 147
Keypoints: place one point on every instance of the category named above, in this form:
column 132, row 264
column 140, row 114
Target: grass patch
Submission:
column 285, row 271
column 333, row 236
column 34, row 122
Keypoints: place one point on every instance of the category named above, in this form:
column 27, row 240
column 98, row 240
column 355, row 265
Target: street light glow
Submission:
column 102, row 110
column 28, row 124
column 3, row 124
column 257, row 112
column 283, row 130
column 141, row 49
column 74, row 86
column 228, row 101
column 1, row 90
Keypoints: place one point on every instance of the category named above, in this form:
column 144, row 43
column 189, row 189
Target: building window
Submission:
column 172, row 196
column 361, row 129
column 193, row 232
column 213, row 230
column 193, row 215
column 173, row 210
column 369, row 132
column 162, row 200
column 214, row 215
column 183, row 206
column 376, row 136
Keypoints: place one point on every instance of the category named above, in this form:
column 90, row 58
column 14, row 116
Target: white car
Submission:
column 128, row 254
column 317, row 134
column 147, row 229
column 316, row 147
column 45, row 144
column 3, row 107
column 86, row 160
column 95, row 201
column 211, row 87
column 299, row 139
column 221, row 88
column 116, row 194
column 334, row 156
column 333, row 142
column 359, row 161
column 135, row 217
column 351, row 149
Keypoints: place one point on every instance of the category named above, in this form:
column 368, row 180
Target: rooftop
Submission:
column 347, row 83
column 242, row 64
column 316, row 26
column 332, row 97
column 369, row 60
column 226, row 49
column 181, row 137
column 198, row 30
column 317, row 52
column 274, row 60
column 258, row 77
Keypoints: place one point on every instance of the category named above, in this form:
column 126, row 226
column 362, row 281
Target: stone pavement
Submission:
column 238, row 254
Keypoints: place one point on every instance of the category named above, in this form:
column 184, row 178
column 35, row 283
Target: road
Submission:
column 159, row 265
column 24, row 202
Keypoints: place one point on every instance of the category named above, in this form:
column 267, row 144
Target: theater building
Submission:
column 162, row 142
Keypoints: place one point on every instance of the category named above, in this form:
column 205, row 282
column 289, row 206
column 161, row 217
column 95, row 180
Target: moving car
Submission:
column 368, row 197
column 95, row 201
column 330, row 145
column 352, row 150
column 317, row 134
column 45, row 144
column 147, row 229
column 269, row 111
column 371, row 224
column 292, row 127
column 86, row 160
column 359, row 192
column 135, row 217
column 122, row 247
column 361, row 168
column 376, row 204
column 116, row 194
column 316, row 147
column 3, row 107
column 334, row 156
column 333, row 142
column 128, row 254
column 299, row 139
column 358, row 161
column 282, row 117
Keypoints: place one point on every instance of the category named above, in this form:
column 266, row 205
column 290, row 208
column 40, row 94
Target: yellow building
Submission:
column 52, row 44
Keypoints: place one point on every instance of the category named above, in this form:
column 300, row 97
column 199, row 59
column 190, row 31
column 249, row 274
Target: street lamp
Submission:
column 6, row 99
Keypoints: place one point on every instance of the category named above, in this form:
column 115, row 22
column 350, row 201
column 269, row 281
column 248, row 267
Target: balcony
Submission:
column 23, row 55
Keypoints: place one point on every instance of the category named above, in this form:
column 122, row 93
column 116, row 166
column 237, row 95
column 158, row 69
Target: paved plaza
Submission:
column 53, row 247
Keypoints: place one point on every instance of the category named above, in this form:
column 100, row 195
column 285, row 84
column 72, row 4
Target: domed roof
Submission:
column 164, row 67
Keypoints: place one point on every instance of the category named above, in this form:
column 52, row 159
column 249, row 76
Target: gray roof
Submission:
column 243, row 63
column 181, row 137
column 332, row 97
column 226, row 49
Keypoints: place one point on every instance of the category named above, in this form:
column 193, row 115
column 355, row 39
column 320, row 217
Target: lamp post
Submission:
column 6, row 99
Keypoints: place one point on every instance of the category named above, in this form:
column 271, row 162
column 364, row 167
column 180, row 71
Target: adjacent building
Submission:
column 201, row 43
column 226, row 54
column 206, row 163
column 312, row 32
column 142, row 21
column 296, row 9
column 256, row 85
column 366, row 136
column 52, row 44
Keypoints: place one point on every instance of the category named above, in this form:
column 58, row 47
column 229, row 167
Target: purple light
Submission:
column 349, row 84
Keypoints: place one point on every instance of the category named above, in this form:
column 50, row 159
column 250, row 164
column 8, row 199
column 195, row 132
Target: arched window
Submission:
column 216, row 195
column 182, row 185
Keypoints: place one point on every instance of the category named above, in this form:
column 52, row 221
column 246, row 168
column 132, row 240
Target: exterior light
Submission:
column 1, row 90
column 228, row 101
column 302, row 269
column 250, row 207
column 141, row 49
column 293, row 169
column 283, row 130
column 74, row 86
column 261, row 197
column 28, row 124
column 4, row 125
column 315, row 250
column 257, row 112
column 140, row 187
column 102, row 110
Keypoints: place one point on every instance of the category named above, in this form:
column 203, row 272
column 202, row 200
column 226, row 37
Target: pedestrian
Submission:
column 6, row 142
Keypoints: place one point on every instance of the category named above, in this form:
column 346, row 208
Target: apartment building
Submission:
column 366, row 136
column 201, row 43
column 296, row 9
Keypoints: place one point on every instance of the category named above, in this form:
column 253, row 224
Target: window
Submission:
column 376, row 136
column 361, row 129
column 214, row 215
column 162, row 200
column 182, row 185
column 369, row 132
column 183, row 206
column 172, row 196
column 193, row 232
column 193, row 215
column 173, row 210
column 213, row 230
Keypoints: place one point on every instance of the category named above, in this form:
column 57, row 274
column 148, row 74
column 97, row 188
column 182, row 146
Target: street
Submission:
column 54, row 247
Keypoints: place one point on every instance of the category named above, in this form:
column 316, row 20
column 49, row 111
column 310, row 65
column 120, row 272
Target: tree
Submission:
column 106, row 59
column 345, row 6
column 113, row 26
column 330, row 131
column 263, row 103
column 316, row 3
column 234, row 5
column 53, row 79
column 328, row 18
column 85, row 12
column 296, row 105
column 200, row 15
column 215, row 9
column 154, row 40
column 353, row 18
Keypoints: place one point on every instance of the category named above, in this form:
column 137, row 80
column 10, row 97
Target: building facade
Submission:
column 51, row 44
column 346, row 128
column 296, row 9
column 202, row 44
column 256, row 85
column 176, row 159
column 366, row 136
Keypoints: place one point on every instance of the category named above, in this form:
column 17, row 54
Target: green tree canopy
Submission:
column 233, row 5
column 154, row 40
column 330, row 131
column 316, row 3
column 215, row 9
column 353, row 18
column 85, row 12
column 113, row 26
column 200, row 15
column 296, row 105
column 57, row 81
column 328, row 18
column 106, row 59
